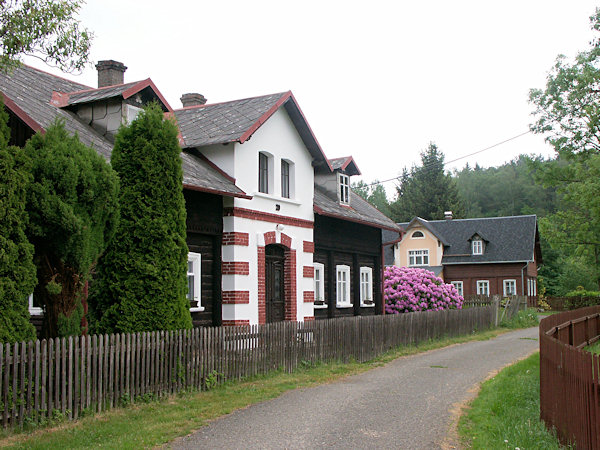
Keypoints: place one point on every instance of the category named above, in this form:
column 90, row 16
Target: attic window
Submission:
column 477, row 246
column 417, row 235
column 344, row 189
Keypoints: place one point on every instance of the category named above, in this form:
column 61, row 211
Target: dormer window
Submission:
column 477, row 246
column 344, row 189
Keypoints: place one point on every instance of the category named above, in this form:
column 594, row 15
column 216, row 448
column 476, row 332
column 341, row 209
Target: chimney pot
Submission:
column 192, row 99
column 448, row 215
column 110, row 73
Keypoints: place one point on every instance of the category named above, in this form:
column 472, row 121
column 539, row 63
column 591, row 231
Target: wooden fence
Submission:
column 570, row 376
column 66, row 377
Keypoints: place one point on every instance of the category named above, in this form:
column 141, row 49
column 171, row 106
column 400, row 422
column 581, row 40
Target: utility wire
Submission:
column 431, row 166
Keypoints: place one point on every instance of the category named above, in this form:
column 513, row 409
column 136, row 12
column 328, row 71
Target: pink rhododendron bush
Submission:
column 409, row 289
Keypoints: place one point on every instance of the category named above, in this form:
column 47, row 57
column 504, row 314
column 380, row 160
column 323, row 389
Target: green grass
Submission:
column 505, row 415
column 523, row 319
column 594, row 348
column 158, row 422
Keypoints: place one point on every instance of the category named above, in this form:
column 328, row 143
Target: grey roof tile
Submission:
column 360, row 210
column 91, row 95
column 509, row 239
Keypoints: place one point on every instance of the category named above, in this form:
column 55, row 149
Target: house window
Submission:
column 319, row 286
column 344, row 188
column 459, row 287
column 418, row 258
column 285, row 179
column 194, row 273
column 483, row 287
column 417, row 235
column 534, row 287
column 510, row 288
column 477, row 247
column 366, row 287
column 35, row 308
column 263, row 173
column 342, row 290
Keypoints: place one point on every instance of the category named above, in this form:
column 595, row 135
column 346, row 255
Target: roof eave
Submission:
column 29, row 121
column 192, row 187
column 322, row 212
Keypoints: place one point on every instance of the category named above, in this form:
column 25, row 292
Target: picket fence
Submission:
column 71, row 376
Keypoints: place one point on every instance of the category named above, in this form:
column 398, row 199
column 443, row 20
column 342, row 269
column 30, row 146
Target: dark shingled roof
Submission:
column 360, row 211
column 237, row 120
column 91, row 95
column 31, row 90
column 508, row 239
column 388, row 250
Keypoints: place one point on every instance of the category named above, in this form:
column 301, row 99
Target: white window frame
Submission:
column 196, row 259
column 480, row 285
column 343, row 189
column 477, row 246
column 366, row 287
column 34, row 310
column 534, row 287
column 342, row 286
column 504, row 285
column 412, row 236
column 268, row 174
column 418, row 253
column 459, row 287
column 319, row 289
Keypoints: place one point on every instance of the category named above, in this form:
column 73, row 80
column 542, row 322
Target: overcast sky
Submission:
column 377, row 80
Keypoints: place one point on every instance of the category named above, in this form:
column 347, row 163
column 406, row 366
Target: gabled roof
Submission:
column 124, row 91
column 238, row 120
column 346, row 164
column 509, row 239
column 28, row 92
column 417, row 221
column 360, row 211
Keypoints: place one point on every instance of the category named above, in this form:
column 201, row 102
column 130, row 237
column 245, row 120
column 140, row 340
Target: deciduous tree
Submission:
column 46, row 29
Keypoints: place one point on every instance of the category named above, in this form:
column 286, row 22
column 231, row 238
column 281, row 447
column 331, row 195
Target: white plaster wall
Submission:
column 222, row 156
column 278, row 137
column 256, row 230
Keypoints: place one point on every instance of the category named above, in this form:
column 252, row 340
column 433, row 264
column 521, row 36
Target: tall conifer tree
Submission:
column 141, row 281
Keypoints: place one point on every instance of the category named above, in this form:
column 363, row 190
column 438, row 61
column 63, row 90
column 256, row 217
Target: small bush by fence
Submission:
column 570, row 303
column 570, row 376
column 68, row 377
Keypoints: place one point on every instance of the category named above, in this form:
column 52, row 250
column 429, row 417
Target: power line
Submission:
column 457, row 159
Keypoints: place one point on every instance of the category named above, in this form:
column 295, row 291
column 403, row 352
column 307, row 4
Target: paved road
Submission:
column 405, row 404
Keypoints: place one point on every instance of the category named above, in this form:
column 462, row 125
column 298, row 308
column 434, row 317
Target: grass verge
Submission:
column 158, row 422
column 505, row 415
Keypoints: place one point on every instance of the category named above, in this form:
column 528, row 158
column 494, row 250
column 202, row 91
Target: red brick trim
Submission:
column 309, row 247
column 309, row 318
column 286, row 240
column 308, row 272
column 290, row 284
column 235, row 268
column 270, row 238
column 262, row 307
column 236, row 297
column 309, row 297
column 235, row 238
column 267, row 217
column 236, row 322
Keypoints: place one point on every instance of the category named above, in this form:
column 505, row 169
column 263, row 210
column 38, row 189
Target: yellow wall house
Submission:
column 420, row 247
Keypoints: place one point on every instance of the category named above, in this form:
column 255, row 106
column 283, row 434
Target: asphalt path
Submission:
column 405, row 404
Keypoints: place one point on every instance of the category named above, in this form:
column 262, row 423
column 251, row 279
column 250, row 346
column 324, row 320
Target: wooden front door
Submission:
column 274, row 283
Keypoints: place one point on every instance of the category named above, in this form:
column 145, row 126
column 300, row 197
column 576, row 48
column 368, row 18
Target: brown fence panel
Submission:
column 569, row 376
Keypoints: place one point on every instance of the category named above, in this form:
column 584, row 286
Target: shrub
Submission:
column 411, row 289
column 141, row 281
column 17, row 271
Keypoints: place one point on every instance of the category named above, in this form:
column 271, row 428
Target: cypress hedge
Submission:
column 73, row 210
column 17, row 271
column 141, row 280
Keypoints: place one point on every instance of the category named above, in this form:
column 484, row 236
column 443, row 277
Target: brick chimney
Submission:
column 192, row 99
column 110, row 73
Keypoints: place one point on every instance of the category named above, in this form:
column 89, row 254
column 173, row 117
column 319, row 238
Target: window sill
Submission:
column 36, row 311
column 344, row 305
column 369, row 305
column 324, row 306
column 197, row 309
column 276, row 198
